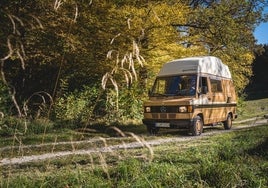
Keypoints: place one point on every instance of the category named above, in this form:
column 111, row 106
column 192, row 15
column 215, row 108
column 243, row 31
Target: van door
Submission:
column 205, row 97
column 218, row 101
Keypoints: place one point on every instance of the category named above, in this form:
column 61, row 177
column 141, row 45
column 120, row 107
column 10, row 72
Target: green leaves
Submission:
column 84, row 42
column 77, row 106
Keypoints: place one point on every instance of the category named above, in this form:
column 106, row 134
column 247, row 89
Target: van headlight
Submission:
column 148, row 109
column 182, row 109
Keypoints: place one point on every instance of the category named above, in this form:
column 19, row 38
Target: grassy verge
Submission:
column 235, row 159
column 253, row 108
column 14, row 132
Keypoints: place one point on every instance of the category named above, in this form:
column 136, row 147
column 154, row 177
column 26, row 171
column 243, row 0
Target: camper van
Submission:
column 191, row 93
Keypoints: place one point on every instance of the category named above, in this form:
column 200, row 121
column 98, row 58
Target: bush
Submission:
column 130, row 104
column 77, row 106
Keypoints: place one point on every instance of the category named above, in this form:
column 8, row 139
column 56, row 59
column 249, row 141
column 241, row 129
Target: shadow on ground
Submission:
column 122, row 130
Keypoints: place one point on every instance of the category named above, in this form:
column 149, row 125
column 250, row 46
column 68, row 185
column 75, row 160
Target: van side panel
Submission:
column 221, row 102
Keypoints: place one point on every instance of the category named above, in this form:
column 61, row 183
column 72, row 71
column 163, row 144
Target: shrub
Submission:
column 77, row 105
column 130, row 102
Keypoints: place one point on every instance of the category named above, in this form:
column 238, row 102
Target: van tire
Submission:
column 228, row 123
column 197, row 127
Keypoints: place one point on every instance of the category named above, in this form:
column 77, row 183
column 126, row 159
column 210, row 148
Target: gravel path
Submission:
column 140, row 143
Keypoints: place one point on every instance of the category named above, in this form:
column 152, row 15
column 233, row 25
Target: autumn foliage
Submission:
column 85, row 60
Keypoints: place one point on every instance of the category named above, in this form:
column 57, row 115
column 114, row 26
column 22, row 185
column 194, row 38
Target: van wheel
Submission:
column 197, row 127
column 152, row 130
column 228, row 123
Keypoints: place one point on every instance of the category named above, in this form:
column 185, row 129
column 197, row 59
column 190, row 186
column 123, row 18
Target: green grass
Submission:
column 231, row 159
column 235, row 159
column 16, row 132
column 253, row 108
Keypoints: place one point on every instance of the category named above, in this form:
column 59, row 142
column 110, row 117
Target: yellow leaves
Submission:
column 247, row 57
column 130, row 17
column 168, row 14
column 239, row 63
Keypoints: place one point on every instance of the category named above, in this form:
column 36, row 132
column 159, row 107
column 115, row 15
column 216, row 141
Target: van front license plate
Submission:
column 162, row 124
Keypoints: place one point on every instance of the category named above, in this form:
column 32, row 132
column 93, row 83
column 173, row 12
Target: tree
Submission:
column 217, row 26
column 257, row 88
column 14, row 25
column 59, row 47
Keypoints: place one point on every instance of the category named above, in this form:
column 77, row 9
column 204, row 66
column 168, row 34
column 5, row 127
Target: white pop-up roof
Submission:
column 204, row 64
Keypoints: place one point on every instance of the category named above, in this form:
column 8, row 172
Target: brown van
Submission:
column 191, row 93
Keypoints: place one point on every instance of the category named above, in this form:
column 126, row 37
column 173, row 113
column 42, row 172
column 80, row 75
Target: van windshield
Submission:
column 181, row 85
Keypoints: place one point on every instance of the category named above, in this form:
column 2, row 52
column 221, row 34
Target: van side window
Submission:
column 203, row 85
column 215, row 85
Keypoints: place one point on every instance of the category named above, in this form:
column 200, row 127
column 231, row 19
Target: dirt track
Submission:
column 139, row 143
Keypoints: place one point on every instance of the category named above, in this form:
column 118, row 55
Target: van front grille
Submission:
column 164, row 109
column 163, row 116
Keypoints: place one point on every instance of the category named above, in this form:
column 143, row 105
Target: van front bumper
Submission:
column 176, row 123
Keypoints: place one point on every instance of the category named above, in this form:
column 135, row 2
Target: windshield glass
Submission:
column 182, row 85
